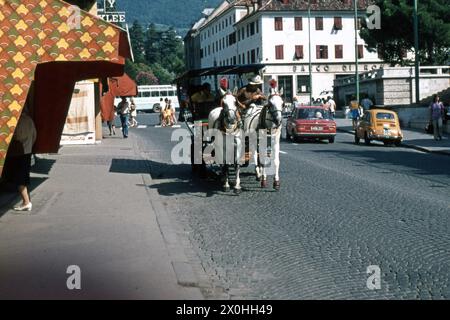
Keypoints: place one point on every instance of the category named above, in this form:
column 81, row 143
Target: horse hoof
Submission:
column 237, row 191
column 226, row 189
column 276, row 185
column 263, row 184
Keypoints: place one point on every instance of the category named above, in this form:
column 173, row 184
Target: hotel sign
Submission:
column 109, row 14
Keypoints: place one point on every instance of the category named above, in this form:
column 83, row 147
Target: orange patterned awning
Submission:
column 38, row 32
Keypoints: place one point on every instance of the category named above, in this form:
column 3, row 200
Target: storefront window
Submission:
column 303, row 84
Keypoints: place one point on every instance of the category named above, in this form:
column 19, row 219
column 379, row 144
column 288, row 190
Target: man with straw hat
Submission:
column 251, row 95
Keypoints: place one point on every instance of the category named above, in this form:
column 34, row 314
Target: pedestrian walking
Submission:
column 167, row 119
column 355, row 112
column 161, row 111
column 332, row 107
column 124, row 110
column 366, row 103
column 133, row 113
column 173, row 111
column 112, row 123
column 436, row 117
column 18, row 162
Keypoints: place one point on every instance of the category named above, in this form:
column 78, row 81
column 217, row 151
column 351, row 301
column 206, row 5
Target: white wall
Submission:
column 289, row 38
column 267, row 38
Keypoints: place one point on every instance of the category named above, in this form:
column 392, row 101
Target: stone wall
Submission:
column 394, row 86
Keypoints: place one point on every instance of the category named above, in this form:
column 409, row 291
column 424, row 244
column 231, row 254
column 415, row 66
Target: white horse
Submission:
column 228, row 138
column 267, row 121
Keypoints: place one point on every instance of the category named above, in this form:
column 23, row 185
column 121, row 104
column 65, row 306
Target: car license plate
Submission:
column 316, row 128
column 386, row 132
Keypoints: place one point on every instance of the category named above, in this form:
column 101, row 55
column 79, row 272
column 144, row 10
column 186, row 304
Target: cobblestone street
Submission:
column 341, row 209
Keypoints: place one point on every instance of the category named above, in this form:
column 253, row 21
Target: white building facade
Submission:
column 276, row 33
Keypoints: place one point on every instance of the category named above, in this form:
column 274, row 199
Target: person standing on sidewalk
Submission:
column 124, row 110
column 354, row 109
column 133, row 113
column 332, row 107
column 173, row 112
column 18, row 163
column 111, row 124
column 366, row 103
column 436, row 115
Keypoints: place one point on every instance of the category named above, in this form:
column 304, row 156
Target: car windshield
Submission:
column 312, row 113
column 385, row 116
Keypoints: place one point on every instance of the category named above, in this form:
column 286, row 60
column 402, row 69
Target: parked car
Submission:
column 311, row 122
column 381, row 125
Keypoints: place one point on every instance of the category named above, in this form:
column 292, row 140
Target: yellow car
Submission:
column 381, row 125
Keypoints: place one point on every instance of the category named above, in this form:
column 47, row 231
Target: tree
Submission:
column 146, row 78
column 163, row 75
column 137, row 42
column 153, row 45
column 396, row 35
column 158, row 53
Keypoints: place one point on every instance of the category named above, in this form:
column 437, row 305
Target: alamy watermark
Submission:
column 213, row 146
column 374, row 280
column 373, row 19
column 74, row 280
column 74, row 19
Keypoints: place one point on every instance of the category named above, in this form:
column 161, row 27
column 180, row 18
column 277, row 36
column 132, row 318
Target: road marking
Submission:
column 142, row 127
column 282, row 152
column 174, row 126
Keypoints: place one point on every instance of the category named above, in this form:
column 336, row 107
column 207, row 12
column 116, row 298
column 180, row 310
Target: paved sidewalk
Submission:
column 93, row 209
column 412, row 139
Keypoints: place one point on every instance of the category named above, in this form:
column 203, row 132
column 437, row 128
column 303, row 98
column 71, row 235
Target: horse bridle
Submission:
column 272, row 111
column 237, row 115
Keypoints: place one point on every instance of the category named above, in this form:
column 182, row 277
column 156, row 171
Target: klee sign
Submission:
column 109, row 14
column 113, row 16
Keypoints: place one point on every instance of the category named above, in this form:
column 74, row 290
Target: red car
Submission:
column 311, row 122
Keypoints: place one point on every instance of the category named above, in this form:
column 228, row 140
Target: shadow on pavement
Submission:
column 422, row 164
column 129, row 166
column 185, row 181
column 430, row 143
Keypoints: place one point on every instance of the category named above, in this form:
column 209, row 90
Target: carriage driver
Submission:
column 251, row 95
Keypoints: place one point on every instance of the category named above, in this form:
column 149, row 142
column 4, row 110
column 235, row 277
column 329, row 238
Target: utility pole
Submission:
column 416, row 52
column 309, row 41
column 356, row 50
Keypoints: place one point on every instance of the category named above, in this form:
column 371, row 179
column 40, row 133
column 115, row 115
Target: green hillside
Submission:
column 176, row 13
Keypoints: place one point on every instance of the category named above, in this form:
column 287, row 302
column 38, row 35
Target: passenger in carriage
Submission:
column 202, row 101
column 204, row 95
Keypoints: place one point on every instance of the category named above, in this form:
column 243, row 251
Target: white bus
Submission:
column 149, row 97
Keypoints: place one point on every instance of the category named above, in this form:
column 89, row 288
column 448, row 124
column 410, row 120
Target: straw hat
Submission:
column 256, row 80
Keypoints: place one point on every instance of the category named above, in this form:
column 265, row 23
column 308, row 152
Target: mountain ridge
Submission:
column 175, row 13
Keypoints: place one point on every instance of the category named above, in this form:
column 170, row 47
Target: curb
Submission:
column 181, row 266
column 408, row 146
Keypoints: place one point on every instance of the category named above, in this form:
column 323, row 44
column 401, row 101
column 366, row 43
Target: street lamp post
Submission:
column 309, row 47
column 356, row 51
column 416, row 52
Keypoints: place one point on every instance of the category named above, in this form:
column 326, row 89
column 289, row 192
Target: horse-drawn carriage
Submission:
column 206, row 112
